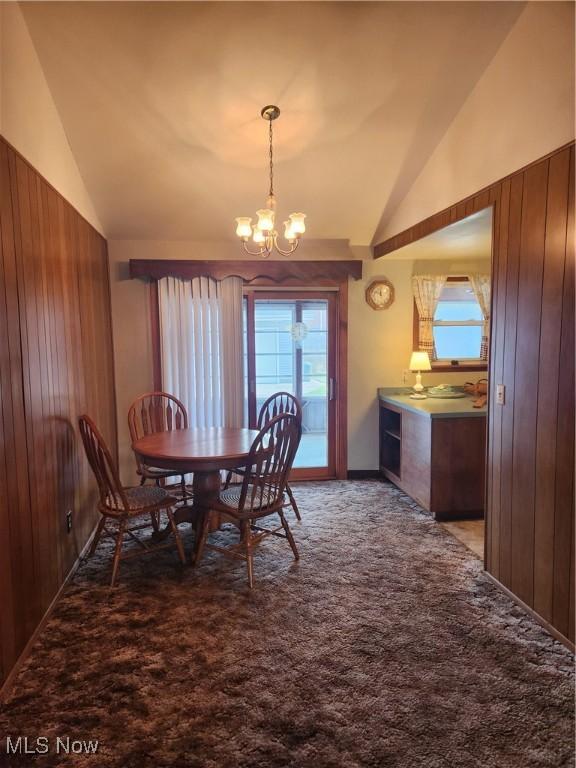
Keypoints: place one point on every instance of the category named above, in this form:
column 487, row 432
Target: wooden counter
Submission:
column 434, row 450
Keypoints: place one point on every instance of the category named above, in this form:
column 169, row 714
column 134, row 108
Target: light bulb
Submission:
column 297, row 221
column 243, row 226
column 265, row 219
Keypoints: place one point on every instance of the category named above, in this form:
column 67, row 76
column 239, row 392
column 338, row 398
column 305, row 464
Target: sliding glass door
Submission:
column 290, row 348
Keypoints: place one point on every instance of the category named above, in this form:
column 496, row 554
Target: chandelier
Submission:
column 263, row 233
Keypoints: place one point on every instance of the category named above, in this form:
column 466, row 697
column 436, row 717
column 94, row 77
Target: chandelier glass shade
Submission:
column 263, row 233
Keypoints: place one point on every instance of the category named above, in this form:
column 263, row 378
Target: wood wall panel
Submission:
column 13, row 507
column 548, row 376
column 527, row 353
column 564, row 521
column 56, row 362
column 530, row 454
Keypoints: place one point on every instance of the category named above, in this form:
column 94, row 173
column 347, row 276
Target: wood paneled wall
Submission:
column 530, row 468
column 56, row 362
column 530, row 533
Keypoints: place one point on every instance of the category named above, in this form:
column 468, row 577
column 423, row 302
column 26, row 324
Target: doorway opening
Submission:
column 290, row 345
column 456, row 261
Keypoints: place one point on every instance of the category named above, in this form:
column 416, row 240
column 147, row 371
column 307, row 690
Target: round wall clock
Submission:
column 380, row 294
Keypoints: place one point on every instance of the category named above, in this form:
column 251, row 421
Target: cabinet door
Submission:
column 458, row 466
column 416, row 452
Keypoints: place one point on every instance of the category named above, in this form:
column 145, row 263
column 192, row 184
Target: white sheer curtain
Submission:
column 201, row 348
column 481, row 287
column 427, row 290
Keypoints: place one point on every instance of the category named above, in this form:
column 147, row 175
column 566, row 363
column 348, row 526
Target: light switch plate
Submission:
column 500, row 394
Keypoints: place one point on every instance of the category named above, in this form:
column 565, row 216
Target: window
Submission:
column 275, row 353
column 457, row 325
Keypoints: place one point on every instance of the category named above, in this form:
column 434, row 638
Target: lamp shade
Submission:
column 259, row 236
column 265, row 219
column 288, row 233
column 298, row 225
column 243, row 228
column 420, row 362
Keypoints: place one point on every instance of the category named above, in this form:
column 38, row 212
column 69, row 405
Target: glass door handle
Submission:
column 331, row 388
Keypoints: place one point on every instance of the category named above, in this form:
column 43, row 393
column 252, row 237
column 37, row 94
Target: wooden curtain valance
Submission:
column 252, row 272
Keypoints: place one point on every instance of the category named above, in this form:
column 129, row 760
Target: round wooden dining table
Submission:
column 203, row 452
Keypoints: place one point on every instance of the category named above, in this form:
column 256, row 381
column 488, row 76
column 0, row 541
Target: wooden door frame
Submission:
column 488, row 198
column 337, row 339
column 505, row 258
column 340, row 337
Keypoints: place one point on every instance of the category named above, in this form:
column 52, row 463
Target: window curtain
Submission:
column 427, row 290
column 201, row 348
column 481, row 287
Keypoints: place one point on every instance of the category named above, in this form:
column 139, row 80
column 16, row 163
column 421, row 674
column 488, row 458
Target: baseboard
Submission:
column 547, row 626
column 454, row 517
column 364, row 474
column 6, row 687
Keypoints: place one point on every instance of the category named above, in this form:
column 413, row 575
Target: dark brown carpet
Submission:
column 384, row 646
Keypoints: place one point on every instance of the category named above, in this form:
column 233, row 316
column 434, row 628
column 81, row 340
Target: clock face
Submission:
column 380, row 294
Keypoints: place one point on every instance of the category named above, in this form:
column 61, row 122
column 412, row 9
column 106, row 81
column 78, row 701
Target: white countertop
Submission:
column 446, row 408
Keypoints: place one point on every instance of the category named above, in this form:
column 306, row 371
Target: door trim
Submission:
column 338, row 341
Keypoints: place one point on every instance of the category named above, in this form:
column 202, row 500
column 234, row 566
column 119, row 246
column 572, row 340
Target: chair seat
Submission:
column 144, row 497
column 230, row 498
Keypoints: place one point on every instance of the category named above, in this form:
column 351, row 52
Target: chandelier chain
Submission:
column 271, row 162
column 263, row 233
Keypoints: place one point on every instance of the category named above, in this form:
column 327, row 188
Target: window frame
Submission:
column 440, row 366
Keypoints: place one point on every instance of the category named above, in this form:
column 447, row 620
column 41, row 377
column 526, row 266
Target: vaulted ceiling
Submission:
column 469, row 238
column 161, row 104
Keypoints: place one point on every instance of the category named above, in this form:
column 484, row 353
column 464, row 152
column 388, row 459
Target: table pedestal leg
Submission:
column 206, row 486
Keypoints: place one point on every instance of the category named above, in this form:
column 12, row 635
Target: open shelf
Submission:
column 390, row 441
column 390, row 454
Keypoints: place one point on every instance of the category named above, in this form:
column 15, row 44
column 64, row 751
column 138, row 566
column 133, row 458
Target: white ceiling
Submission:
column 161, row 102
column 469, row 238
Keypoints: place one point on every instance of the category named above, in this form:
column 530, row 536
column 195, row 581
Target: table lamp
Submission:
column 419, row 362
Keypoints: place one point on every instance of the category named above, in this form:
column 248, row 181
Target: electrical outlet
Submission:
column 69, row 520
column 500, row 394
column 406, row 375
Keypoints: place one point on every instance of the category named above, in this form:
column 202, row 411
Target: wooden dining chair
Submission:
column 279, row 403
column 261, row 493
column 157, row 412
column 121, row 505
